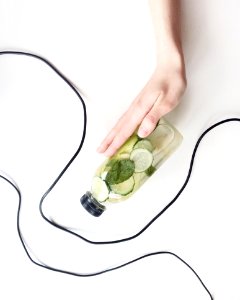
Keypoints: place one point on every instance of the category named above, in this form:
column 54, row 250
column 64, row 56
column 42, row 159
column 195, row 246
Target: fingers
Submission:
column 161, row 107
column 152, row 117
column 125, row 127
column 144, row 112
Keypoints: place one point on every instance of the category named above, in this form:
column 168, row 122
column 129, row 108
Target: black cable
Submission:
column 67, row 81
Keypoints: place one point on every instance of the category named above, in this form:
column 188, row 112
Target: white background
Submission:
column 107, row 49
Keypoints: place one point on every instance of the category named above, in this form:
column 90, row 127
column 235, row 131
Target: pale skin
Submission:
column 163, row 91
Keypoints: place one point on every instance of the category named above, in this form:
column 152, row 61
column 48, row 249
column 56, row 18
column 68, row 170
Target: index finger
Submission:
column 124, row 128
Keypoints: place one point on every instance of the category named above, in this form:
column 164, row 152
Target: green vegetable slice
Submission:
column 144, row 144
column 99, row 189
column 142, row 159
column 123, row 188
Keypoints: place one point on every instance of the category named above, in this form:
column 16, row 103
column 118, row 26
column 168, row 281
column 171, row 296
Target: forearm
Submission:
column 167, row 27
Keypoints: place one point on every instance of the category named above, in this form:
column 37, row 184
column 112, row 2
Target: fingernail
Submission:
column 108, row 153
column 99, row 149
column 142, row 132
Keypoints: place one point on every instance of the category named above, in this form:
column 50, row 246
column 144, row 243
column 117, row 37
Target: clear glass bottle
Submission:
column 122, row 174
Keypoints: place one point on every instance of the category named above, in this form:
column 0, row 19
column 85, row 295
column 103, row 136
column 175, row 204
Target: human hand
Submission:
column 160, row 95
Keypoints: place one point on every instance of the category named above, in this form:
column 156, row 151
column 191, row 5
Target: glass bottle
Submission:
column 119, row 176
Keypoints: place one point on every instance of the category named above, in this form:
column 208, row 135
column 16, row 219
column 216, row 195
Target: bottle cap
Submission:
column 92, row 205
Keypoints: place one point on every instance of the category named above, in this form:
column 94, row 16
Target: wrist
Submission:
column 170, row 56
column 171, row 64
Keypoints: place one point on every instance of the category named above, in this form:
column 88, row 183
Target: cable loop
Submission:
column 11, row 182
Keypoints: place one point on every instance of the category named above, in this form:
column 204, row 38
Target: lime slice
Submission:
column 161, row 137
column 142, row 159
column 144, row 144
column 123, row 188
column 99, row 189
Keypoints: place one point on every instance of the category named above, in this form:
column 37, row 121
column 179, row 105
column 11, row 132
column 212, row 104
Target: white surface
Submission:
column 107, row 49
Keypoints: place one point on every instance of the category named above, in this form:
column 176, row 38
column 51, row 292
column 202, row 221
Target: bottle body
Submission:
column 124, row 173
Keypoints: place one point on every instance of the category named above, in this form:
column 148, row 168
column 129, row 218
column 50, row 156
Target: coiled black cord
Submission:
column 67, row 81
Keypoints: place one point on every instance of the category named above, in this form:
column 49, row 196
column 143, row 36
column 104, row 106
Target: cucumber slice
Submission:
column 123, row 188
column 161, row 137
column 144, row 144
column 142, row 159
column 99, row 189
column 139, row 179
